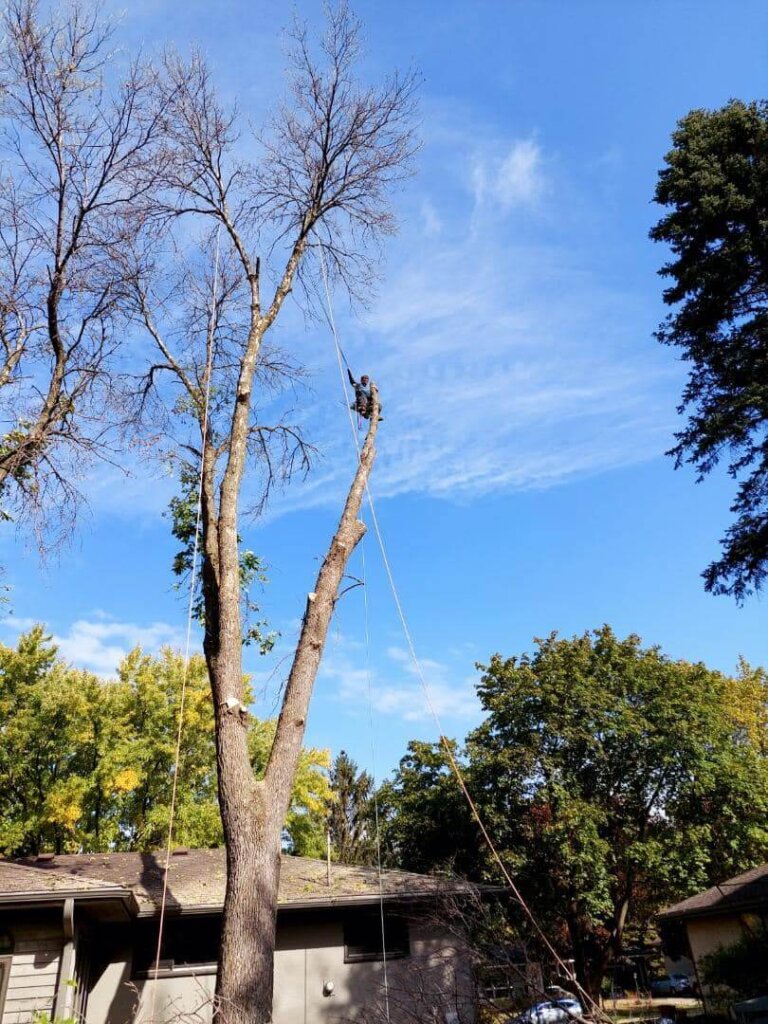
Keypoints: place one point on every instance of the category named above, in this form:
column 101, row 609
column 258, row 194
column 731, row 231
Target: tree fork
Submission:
column 254, row 813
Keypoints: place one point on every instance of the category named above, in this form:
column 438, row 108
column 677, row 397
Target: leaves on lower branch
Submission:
column 182, row 511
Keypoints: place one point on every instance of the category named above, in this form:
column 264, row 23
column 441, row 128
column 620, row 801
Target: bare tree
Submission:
column 74, row 169
column 319, row 191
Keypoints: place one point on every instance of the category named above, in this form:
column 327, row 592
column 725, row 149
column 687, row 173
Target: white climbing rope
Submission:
column 190, row 606
column 589, row 1001
column 369, row 687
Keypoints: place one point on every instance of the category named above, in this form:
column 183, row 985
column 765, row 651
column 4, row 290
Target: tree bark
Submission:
column 591, row 955
column 253, row 813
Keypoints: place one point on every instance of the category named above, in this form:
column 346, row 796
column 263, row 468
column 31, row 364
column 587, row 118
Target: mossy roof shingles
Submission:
column 197, row 879
column 19, row 880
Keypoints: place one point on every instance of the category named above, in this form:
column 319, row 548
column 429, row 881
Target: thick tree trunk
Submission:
column 253, row 813
column 591, row 956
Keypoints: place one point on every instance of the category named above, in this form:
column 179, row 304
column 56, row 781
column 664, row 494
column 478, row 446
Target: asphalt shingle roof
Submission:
column 197, row 878
column 745, row 891
column 20, row 880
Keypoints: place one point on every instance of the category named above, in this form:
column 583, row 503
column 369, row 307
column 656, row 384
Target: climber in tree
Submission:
column 362, row 403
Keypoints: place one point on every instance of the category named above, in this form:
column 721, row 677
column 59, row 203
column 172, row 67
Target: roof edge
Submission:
column 54, row 898
column 320, row 903
column 736, row 907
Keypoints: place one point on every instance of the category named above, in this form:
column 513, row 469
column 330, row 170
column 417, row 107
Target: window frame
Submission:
column 168, row 967
column 391, row 950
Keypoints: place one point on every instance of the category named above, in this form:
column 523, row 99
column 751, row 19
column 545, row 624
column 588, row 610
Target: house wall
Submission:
column 33, row 979
column 707, row 934
column 309, row 952
column 436, row 974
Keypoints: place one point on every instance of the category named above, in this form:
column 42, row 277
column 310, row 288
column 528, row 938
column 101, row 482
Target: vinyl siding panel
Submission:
column 34, row 972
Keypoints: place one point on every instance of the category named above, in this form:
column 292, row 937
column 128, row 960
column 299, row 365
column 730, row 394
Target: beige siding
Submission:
column 34, row 972
column 711, row 933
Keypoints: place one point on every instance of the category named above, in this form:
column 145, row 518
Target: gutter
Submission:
column 323, row 903
column 65, row 991
column 55, row 899
column 724, row 910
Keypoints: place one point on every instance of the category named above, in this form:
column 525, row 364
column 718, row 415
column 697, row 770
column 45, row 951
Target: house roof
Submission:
column 743, row 892
column 18, row 881
column 197, row 879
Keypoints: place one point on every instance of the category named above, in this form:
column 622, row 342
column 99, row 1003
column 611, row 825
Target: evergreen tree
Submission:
column 351, row 819
column 715, row 186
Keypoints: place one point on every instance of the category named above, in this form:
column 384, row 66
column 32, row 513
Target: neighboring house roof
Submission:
column 744, row 892
column 197, row 879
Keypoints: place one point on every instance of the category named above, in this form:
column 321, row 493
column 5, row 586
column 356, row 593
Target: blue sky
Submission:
column 521, row 483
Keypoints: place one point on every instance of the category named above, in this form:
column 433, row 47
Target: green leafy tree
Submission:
column 715, row 186
column 89, row 764
column 149, row 693
column 612, row 778
column 608, row 769
column 52, row 733
column 304, row 832
column 425, row 821
column 351, row 814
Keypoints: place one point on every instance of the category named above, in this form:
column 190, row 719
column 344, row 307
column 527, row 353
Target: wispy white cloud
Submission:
column 396, row 689
column 512, row 179
column 502, row 367
column 99, row 644
column 140, row 489
column 19, row 623
column 431, row 220
column 507, row 356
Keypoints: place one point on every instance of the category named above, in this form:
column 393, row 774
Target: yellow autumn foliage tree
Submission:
column 87, row 763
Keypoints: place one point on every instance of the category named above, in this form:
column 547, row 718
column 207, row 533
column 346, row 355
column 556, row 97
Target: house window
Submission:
column 5, row 970
column 189, row 943
column 362, row 938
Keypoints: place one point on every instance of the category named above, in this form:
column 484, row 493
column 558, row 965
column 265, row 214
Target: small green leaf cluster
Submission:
column 182, row 511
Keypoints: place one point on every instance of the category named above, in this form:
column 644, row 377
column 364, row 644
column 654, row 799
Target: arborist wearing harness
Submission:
column 362, row 404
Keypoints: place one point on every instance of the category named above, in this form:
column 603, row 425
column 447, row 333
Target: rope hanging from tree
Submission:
column 369, row 689
column 596, row 1009
column 192, row 583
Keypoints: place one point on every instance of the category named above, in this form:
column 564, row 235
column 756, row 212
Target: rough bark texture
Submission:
column 253, row 812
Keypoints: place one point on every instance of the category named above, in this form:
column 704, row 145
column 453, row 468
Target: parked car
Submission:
column 674, row 985
column 681, row 983
column 551, row 1011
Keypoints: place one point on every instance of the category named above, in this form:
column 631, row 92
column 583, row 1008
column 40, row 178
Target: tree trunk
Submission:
column 590, row 954
column 253, row 813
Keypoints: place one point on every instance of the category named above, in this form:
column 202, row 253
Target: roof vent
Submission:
column 43, row 858
column 181, row 851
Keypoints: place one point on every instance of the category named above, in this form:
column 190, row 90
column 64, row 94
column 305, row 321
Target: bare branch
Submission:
column 78, row 166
